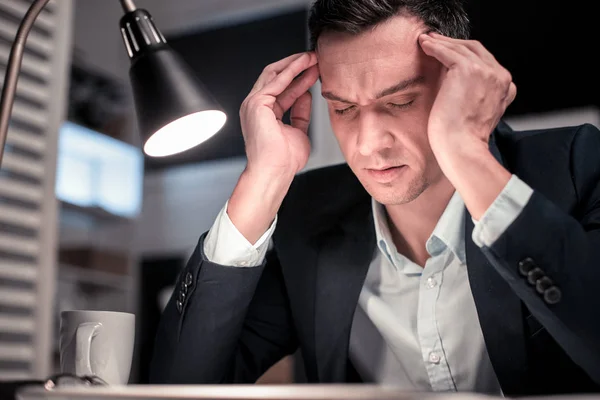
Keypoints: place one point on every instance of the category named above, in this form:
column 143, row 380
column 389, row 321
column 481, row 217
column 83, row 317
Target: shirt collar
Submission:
column 448, row 233
column 382, row 230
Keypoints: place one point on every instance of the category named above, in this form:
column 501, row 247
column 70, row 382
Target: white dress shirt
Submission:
column 416, row 328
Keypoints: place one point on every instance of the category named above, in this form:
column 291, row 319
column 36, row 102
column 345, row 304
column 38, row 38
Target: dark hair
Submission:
column 447, row 17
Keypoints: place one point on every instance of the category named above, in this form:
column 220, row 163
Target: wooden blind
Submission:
column 28, row 207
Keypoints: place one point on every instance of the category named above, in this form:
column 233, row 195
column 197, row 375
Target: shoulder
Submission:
column 562, row 162
column 566, row 136
column 319, row 197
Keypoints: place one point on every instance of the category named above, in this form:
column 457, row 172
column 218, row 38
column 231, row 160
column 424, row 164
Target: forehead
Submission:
column 359, row 66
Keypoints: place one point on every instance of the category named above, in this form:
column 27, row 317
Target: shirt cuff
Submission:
column 225, row 245
column 502, row 213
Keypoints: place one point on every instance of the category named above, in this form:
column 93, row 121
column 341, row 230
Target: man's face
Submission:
column 380, row 87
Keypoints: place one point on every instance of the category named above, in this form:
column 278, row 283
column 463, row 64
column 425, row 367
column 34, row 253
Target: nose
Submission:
column 373, row 136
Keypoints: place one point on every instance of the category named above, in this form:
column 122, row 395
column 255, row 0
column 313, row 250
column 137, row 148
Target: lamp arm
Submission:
column 14, row 67
column 128, row 5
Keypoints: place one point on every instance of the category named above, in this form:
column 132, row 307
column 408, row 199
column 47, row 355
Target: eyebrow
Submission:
column 403, row 85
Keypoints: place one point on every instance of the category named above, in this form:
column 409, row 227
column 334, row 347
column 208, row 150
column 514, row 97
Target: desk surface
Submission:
column 252, row 392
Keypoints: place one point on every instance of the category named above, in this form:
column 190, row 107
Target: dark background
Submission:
column 550, row 47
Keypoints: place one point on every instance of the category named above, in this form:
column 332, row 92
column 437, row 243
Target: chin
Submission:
column 396, row 193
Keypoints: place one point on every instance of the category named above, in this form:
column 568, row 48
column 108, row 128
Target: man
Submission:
column 449, row 254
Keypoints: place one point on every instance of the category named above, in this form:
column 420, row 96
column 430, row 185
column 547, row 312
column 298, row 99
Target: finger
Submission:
column 281, row 82
column 272, row 70
column 448, row 56
column 473, row 45
column 298, row 87
column 300, row 114
column 460, row 49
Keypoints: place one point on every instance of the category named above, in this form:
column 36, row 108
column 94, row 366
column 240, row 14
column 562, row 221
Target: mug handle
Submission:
column 83, row 346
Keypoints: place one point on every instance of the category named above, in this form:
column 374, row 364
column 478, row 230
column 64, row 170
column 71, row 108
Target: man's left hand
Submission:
column 474, row 92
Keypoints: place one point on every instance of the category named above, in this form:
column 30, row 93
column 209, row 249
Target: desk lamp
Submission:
column 175, row 112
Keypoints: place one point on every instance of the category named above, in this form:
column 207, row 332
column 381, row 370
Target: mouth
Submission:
column 386, row 174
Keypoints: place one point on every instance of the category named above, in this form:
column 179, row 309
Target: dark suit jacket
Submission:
column 230, row 324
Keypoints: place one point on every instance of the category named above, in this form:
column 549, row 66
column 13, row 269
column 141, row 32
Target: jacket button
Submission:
column 179, row 306
column 184, row 287
column 188, row 279
column 543, row 284
column 182, row 297
column 526, row 265
column 552, row 295
column 534, row 275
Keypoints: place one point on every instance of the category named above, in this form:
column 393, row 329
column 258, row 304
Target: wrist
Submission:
column 268, row 172
column 256, row 200
column 475, row 173
column 457, row 158
column 268, row 177
column 454, row 153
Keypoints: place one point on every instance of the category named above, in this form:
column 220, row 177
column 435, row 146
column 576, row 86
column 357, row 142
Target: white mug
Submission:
column 97, row 343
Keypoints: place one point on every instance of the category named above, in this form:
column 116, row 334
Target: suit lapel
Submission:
column 344, row 258
column 500, row 311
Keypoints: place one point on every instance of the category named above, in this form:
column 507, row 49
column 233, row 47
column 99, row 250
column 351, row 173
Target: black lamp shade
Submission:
column 175, row 111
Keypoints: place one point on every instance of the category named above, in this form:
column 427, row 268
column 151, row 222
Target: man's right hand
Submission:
column 276, row 152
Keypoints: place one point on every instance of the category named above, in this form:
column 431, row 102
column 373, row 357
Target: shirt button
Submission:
column 434, row 358
column 242, row 263
column 431, row 283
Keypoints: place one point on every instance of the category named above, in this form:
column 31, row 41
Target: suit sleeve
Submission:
column 223, row 324
column 552, row 259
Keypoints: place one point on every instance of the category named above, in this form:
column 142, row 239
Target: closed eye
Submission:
column 393, row 105
column 344, row 111
column 405, row 105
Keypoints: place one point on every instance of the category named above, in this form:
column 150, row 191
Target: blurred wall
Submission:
column 546, row 120
column 97, row 38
